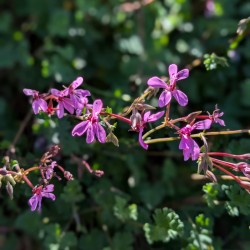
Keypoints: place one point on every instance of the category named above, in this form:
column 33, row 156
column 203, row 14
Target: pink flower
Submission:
column 215, row 116
column 187, row 144
column 38, row 103
column 170, row 89
column 244, row 168
column 91, row 126
column 138, row 123
column 63, row 102
column 35, row 201
column 50, row 170
column 77, row 96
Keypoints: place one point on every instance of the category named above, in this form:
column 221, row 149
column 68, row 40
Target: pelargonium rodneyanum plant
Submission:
column 96, row 125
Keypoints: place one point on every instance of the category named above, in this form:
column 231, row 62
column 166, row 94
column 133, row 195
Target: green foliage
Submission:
column 123, row 211
column 72, row 192
column 239, row 200
column 167, row 226
column 211, row 191
column 47, row 44
column 201, row 234
column 212, row 61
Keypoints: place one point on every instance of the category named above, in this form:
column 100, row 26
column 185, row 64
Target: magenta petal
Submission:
column 90, row 134
column 220, row 121
column 64, row 92
column 30, row 92
column 205, row 124
column 35, row 106
column 33, row 201
column 55, row 92
column 180, row 97
column 156, row 116
column 49, row 188
column 156, row 82
column 82, row 92
column 146, row 115
column 77, row 82
column 142, row 143
column 183, row 74
column 60, row 110
column 196, row 151
column 164, row 98
column 68, row 105
column 81, row 128
column 100, row 133
column 172, row 70
column 43, row 105
column 49, row 195
column 97, row 106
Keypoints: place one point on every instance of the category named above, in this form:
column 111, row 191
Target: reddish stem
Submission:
column 202, row 117
column 225, row 163
column 25, row 178
column 236, row 178
column 241, row 157
column 117, row 116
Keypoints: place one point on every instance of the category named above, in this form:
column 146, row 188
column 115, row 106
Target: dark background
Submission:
column 116, row 46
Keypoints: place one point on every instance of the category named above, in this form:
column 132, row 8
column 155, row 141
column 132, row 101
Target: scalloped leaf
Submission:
column 167, row 226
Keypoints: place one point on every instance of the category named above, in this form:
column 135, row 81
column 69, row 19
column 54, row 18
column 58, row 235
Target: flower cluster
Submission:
column 95, row 123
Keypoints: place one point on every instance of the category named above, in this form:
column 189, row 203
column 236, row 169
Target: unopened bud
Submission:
column 3, row 171
column 98, row 173
column 112, row 138
column 143, row 106
column 192, row 117
column 244, row 168
column 15, row 164
column 135, row 119
column 211, row 176
column 9, row 189
column 68, row 175
column 9, row 178
column 54, row 150
column 204, row 163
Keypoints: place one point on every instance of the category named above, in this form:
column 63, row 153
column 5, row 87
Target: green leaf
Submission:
column 211, row 191
column 90, row 242
column 29, row 222
column 122, row 241
column 201, row 234
column 72, row 192
column 239, row 201
column 212, row 61
column 124, row 212
column 167, row 226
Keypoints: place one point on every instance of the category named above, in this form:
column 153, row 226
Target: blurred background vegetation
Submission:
column 145, row 200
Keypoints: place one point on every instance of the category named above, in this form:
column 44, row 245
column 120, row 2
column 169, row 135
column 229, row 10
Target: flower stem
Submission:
column 236, row 178
column 117, row 116
column 227, row 132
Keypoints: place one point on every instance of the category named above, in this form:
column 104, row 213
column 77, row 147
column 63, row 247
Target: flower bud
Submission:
column 112, row 138
column 98, row 173
column 9, row 189
column 9, row 177
column 211, row 176
column 54, row 150
column 3, row 171
column 68, row 175
column 135, row 119
column 244, row 168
